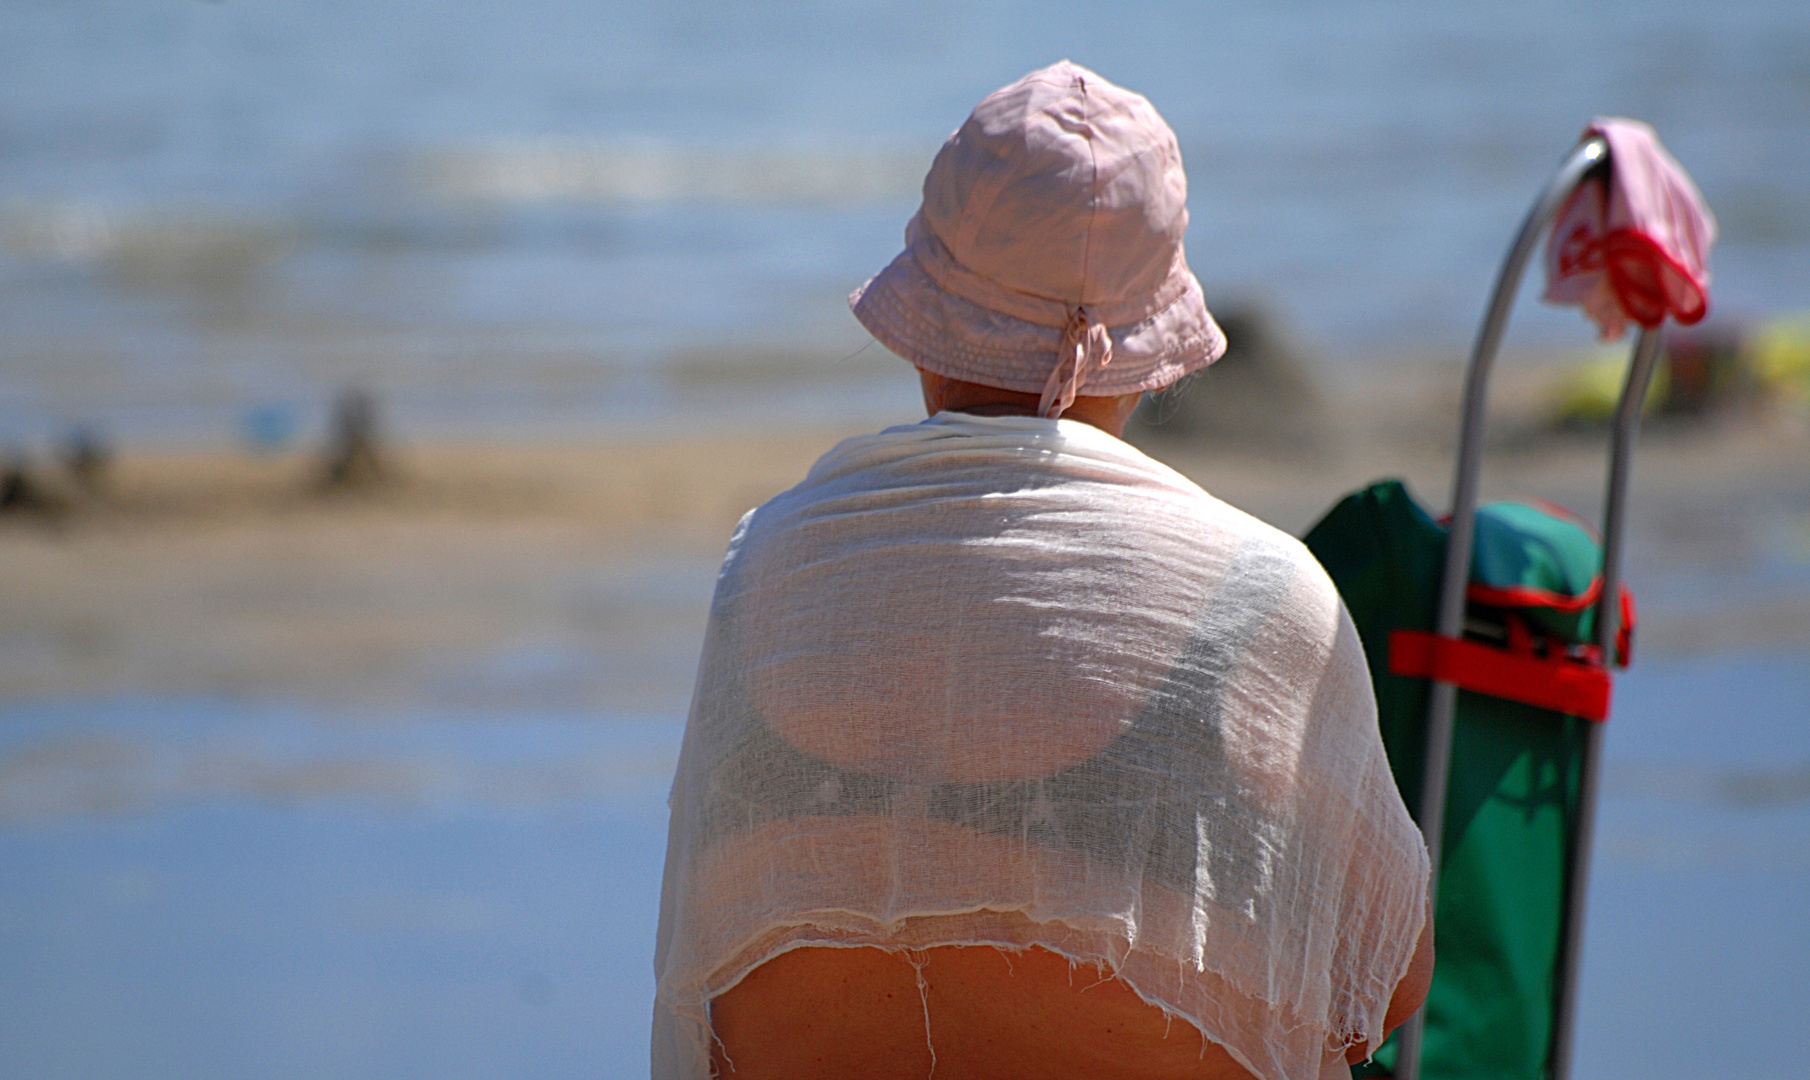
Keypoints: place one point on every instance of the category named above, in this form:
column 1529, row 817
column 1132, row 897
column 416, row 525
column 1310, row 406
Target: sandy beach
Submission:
column 222, row 571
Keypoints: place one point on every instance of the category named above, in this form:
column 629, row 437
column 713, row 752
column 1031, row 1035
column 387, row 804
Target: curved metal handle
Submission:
column 1443, row 696
column 1587, row 156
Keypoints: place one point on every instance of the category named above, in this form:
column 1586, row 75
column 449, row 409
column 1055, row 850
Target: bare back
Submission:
column 830, row 1014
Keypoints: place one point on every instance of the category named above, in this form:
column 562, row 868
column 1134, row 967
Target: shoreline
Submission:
column 223, row 571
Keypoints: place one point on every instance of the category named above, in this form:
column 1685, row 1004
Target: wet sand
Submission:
column 224, row 572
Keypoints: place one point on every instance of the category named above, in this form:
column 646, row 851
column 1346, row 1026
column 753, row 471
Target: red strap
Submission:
column 1560, row 683
column 1513, row 596
column 1624, row 636
column 1516, row 596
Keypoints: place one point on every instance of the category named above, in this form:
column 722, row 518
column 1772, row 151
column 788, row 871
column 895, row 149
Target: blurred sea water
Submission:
column 527, row 217
column 203, row 888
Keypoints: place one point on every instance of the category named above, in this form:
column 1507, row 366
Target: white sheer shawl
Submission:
column 1009, row 681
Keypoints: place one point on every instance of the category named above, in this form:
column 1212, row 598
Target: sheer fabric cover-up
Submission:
column 1007, row 681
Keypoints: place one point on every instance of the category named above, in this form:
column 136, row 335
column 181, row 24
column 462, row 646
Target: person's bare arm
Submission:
column 1409, row 993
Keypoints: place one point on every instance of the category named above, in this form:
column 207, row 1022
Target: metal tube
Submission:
column 1450, row 622
column 1608, row 616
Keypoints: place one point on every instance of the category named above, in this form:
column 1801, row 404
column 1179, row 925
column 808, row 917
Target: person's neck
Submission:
column 955, row 395
column 1001, row 408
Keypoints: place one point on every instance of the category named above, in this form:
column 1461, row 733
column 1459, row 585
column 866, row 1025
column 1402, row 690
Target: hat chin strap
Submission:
column 1086, row 348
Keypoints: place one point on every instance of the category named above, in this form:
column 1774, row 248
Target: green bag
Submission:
column 1512, row 804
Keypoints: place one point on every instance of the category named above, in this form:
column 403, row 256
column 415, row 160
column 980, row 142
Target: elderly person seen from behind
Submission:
column 1013, row 753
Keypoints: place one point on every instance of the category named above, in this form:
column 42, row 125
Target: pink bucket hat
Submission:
column 1047, row 255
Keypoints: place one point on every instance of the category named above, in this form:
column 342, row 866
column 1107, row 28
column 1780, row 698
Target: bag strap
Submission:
column 1557, row 681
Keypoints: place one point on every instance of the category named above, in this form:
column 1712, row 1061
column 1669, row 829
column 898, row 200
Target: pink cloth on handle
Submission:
column 1636, row 249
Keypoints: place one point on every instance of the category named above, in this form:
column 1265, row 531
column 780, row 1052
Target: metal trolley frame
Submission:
column 1591, row 154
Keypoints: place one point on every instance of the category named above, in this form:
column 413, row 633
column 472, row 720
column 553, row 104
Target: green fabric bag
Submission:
column 1541, row 561
column 1512, row 804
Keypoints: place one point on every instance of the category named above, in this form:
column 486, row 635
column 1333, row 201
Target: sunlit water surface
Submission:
column 200, row 888
column 545, row 212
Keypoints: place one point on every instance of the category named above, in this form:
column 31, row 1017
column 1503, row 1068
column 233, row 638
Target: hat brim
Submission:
column 909, row 313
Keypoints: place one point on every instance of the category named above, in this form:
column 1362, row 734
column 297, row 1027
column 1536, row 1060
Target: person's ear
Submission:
column 935, row 391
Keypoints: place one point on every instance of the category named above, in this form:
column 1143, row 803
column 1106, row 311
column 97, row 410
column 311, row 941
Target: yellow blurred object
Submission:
column 1779, row 357
column 1586, row 392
